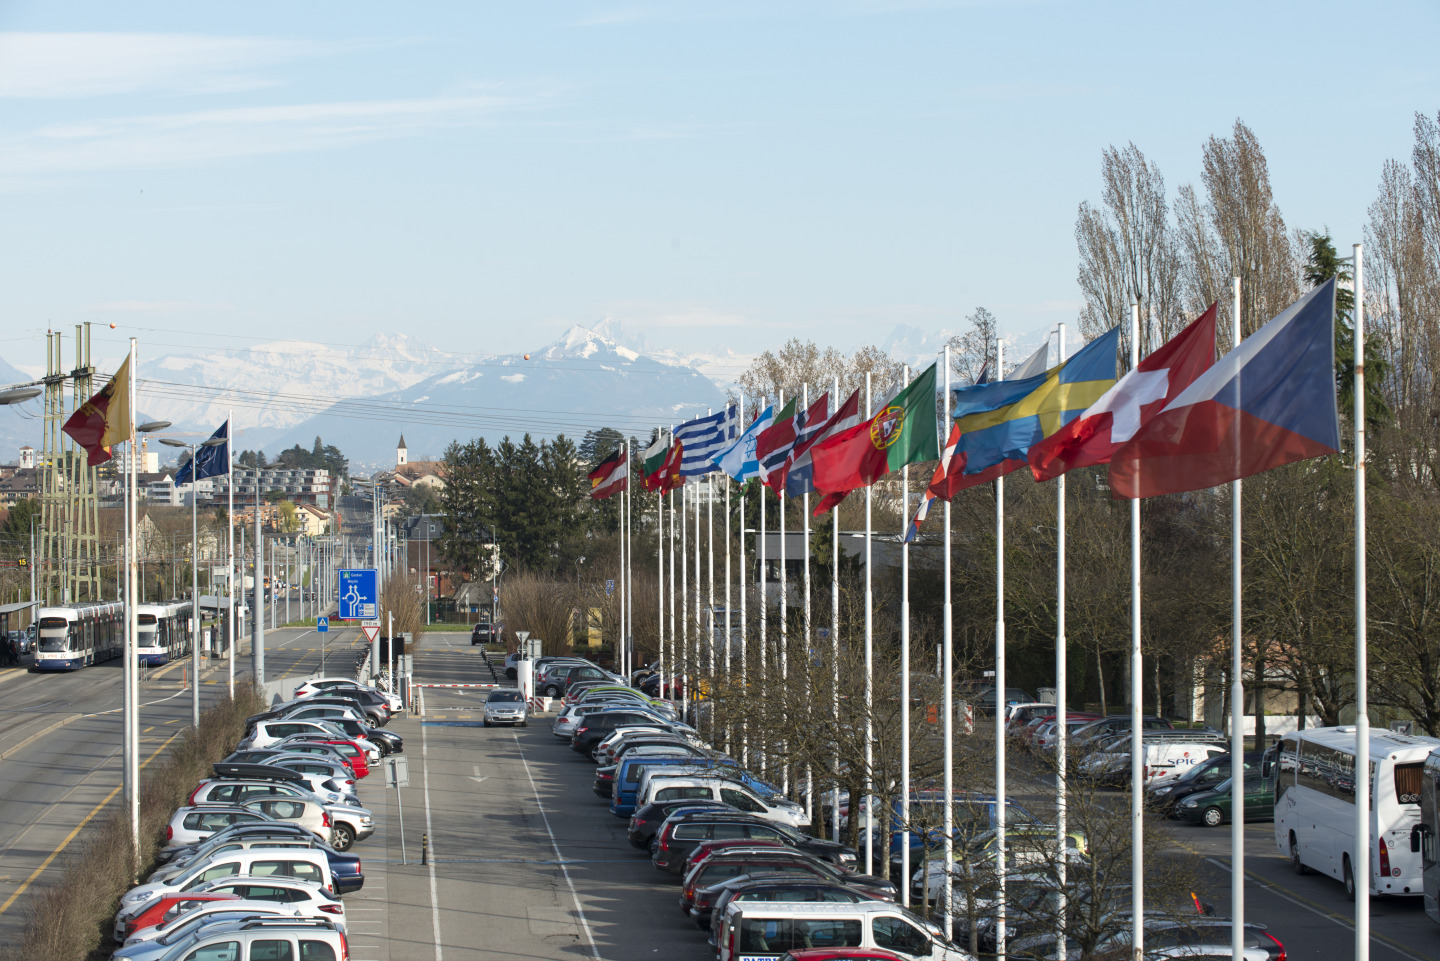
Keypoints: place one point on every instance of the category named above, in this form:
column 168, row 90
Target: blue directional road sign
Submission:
column 322, row 624
column 609, row 587
column 359, row 595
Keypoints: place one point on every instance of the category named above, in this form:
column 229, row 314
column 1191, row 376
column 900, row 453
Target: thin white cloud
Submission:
column 53, row 65
column 160, row 140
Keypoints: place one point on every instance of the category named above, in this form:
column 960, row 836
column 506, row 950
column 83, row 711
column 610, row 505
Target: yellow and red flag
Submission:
column 103, row 420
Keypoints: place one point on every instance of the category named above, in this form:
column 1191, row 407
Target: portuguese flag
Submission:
column 901, row 432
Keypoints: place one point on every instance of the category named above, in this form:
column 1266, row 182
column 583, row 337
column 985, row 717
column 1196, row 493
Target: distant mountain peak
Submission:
column 584, row 342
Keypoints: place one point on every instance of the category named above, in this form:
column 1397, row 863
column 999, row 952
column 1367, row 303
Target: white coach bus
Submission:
column 73, row 636
column 1315, row 806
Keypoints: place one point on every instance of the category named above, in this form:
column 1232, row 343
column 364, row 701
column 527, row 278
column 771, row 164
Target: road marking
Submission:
column 579, row 909
column 477, row 780
column 1301, row 901
column 71, row 836
column 434, row 893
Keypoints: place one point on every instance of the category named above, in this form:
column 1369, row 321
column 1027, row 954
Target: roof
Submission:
column 401, row 445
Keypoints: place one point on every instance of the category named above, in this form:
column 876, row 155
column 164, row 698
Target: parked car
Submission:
column 280, row 937
column 280, row 830
column 1192, row 934
column 268, row 733
column 194, row 823
column 1214, row 807
column 155, row 941
column 981, row 695
column 769, row 929
column 506, row 706
column 595, row 727
column 1167, row 793
column 711, row 902
column 723, row 865
column 160, row 908
column 486, row 633
column 344, row 747
column 646, row 822
column 344, row 868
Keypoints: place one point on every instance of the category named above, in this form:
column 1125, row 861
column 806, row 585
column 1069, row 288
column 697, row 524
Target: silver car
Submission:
column 506, row 707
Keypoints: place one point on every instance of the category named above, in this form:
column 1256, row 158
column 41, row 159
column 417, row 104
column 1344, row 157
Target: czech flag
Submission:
column 1267, row 403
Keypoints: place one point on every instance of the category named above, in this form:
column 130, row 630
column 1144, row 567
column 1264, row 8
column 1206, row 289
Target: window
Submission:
column 765, row 833
column 825, row 933
column 271, row 951
column 898, row 935
column 740, row 800
column 1408, row 778
column 727, row 832
column 269, row 869
column 690, row 832
column 261, row 892
column 224, row 951
column 316, row 951
column 214, row 874
column 306, row 871
column 681, row 793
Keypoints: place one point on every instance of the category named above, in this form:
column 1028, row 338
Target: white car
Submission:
column 322, row 684
column 194, row 823
column 213, row 910
column 266, row 733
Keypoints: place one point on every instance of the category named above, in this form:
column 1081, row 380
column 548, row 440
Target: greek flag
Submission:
column 209, row 461
column 705, row 439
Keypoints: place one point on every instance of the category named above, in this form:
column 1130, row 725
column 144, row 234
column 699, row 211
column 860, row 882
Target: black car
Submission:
column 387, row 741
column 594, row 728
column 708, row 903
column 486, row 633
column 692, row 830
column 1202, row 777
column 646, row 821
column 723, row 866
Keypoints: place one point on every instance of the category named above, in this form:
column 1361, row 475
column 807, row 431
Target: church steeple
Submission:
column 400, row 452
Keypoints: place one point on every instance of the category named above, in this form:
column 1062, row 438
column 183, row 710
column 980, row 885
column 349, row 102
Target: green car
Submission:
column 1213, row 807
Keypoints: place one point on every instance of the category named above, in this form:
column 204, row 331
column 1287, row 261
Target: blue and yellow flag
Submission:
column 1000, row 421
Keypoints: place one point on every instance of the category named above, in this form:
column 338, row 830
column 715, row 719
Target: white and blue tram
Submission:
column 163, row 632
column 72, row 636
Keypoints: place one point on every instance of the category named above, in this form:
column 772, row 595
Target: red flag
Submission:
column 104, row 419
column 1094, row 436
column 669, row 472
column 610, row 476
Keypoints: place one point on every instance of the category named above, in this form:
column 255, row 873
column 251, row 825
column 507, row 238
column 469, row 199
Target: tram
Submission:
column 72, row 636
column 162, row 632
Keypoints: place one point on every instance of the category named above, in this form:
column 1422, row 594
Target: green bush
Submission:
column 72, row 920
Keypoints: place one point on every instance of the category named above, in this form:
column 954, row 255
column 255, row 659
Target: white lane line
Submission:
column 117, row 710
column 434, row 895
column 580, row 910
column 1342, row 922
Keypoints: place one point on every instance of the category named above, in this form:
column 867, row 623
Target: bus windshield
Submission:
column 52, row 644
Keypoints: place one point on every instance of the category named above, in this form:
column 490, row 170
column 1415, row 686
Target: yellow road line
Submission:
column 71, row 836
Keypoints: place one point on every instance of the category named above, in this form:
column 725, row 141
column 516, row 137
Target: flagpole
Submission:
column 904, row 677
column 230, row 530
column 805, row 520
column 1137, row 734
column 784, row 639
column 660, row 576
column 1061, row 713
column 1362, row 667
column 684, row 660
column 671, row 553
column 835, row 654
column 1237, row 709
column 1000, row 687
column 695, row 664
column 764, row 603
column 132, row 705
column 869, row 669
column 744, row 564
column 618, row 656
column 710, row 591
column 949, row 703
column 728, row 662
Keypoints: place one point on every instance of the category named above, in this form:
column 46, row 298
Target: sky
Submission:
column 481, row 176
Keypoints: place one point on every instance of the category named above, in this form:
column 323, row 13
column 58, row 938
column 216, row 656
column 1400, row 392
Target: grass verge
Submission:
column 72, row 919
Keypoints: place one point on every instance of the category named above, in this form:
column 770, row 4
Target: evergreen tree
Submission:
column 1322, row 264
column 597, row 445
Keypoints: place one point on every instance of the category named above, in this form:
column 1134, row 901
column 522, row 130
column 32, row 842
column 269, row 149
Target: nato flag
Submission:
column 209, row 461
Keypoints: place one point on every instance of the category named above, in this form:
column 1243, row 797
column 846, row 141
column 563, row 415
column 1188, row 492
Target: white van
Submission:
column 763, row 931
column 1164, row 758
column 658, row 785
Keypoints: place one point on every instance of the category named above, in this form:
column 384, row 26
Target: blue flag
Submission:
column 209, row 461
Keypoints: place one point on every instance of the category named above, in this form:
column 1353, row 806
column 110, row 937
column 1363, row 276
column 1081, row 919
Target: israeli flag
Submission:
column 740, row 461
column 209, row 461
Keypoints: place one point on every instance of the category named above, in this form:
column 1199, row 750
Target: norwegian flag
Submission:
column 924, row 507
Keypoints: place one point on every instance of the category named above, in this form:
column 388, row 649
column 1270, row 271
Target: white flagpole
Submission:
column 1137, row 733
column 835, row 654
column 904, row 881
column 784, row 639
column 618, row 654
column 671, row 554
column 999, row 687
column 132, row 713
column 728, row 536
column 869, row 669
column 230, row 530
column 764, row 603
column 629, row 635
column 710, row 585
column 1237, row 703
column 947, row 628
column 1362, row 686
column 805, row 520
column 660, row 581
column 1061, row 672
column 696, row 663
column 744, row 589
column 684, row 599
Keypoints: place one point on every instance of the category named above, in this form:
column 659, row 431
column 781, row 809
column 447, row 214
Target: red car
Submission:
column 706, row 848
column 840, row 954
column 353, row 753
column 161, row 908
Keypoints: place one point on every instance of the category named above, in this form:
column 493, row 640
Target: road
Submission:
column 60, row 743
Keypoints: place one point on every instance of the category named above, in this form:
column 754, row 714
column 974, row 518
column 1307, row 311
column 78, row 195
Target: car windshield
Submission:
column 497, row 696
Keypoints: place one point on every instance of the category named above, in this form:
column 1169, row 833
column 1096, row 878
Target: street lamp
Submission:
column 194, row 569
column 19, row 395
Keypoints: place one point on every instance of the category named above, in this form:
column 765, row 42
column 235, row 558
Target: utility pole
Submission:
column 257, row 630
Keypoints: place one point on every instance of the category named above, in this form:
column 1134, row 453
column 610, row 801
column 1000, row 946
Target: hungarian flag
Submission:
column 651, row 460
column 1098, row 433
column 103, row 420
column 611, row 475
column 901, row 432
column 1269, row 402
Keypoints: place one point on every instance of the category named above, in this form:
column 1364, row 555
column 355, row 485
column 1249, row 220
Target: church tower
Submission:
column 400, row 452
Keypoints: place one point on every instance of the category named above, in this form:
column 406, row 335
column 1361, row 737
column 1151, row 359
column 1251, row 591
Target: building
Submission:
column 400, row 452
column 312, row 520
column 147, row 462
column 17, row 484
column 27, row 458
column 314, row 486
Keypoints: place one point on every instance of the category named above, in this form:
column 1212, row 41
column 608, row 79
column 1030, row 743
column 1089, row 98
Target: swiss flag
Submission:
column 1112, row 420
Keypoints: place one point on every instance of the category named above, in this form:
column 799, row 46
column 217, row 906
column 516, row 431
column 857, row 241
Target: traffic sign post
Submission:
column 609, row 586
column 397, row 775
column 322, row 624
column 359, row 595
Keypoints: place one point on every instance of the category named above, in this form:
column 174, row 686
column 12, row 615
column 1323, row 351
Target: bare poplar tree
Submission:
column 1237, row 232
column 1129, row 252
column 795, row 363
column 972, row 350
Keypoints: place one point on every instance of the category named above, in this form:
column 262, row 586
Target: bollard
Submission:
column 424, row 849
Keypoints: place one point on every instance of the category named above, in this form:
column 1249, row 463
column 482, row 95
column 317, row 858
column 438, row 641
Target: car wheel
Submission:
column 510, row 673
column 524, row 723
column 1295, row 863
column 343, row 837
column 1349, row 880
column 487, row 722
column 1213, row 817
column 551, row 691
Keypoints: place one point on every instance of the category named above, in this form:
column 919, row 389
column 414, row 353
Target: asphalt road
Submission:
column 60, row 738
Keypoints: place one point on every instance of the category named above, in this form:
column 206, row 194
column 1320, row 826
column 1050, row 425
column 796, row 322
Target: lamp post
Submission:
column 194, row 568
